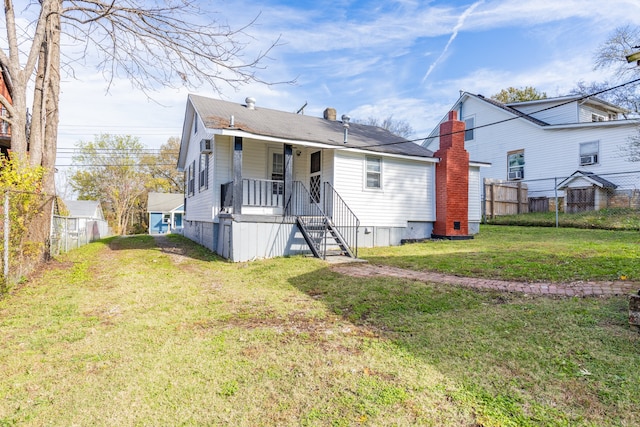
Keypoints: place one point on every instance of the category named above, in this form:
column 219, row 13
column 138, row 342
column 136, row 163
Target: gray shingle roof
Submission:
column 216, row 114
column 589, row 176
column 513, row 110
column 163, row 202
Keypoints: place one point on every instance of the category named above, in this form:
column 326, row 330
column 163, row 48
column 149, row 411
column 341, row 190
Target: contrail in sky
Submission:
column 459, row 25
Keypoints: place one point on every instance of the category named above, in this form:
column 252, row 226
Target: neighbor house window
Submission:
column 515, row 164
column 469, row 124
column 4, row 125
column 195, row 123
column 374, row 172
column 589, row 153
column 204, row 171
column 597, row 118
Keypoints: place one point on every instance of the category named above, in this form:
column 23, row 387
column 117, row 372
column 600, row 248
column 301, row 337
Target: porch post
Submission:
column 237, row 175
column 288, row 176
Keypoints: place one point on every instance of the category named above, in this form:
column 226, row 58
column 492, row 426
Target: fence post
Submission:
column 6, row 239
column 493, row 200
column 555, row 190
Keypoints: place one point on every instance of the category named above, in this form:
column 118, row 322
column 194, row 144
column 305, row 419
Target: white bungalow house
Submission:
column 569, row 146
column 264, row 183
column 166, row 211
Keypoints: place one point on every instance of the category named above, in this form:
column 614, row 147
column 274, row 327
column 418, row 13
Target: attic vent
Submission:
column 251, row 103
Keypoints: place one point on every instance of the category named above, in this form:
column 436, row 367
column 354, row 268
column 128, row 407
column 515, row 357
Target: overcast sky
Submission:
column 403, row 58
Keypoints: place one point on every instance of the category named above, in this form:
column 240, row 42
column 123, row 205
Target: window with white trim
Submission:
column 515, row 165
column 469, row 124
column 204, row 171
column 195, row 123
column 191, row 183
column 589, row 153
column 277, row 172
column 374, row 172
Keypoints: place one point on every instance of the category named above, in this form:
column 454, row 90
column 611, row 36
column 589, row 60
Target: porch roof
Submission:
column 216, row 114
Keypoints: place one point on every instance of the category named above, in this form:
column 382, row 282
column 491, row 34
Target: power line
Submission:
column 519, row 115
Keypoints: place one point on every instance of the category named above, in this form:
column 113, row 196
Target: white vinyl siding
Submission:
column 559, row 114
column 475, row 191
column 407, row 194
column 550, row 152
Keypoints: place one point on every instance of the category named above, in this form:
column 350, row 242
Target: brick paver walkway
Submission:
column 581, row 289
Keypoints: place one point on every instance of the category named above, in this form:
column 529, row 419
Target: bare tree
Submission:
column 401, row 128
column 612, row 53
column 151, row 42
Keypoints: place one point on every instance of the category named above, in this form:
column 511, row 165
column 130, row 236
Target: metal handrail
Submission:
column 343, row 219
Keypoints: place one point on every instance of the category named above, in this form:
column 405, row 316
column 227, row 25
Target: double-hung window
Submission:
column 589, row 153
column 204, row 171
column 191, row 178
column 469, row 125
column 515, row 165
column 374, row 172
column 277, row 172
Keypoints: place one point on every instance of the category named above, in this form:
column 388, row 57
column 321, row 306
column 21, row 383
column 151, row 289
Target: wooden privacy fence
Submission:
column 505, row 198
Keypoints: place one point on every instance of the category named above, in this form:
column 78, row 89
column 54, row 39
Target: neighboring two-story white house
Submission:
column 571, row 146
column 264, row 183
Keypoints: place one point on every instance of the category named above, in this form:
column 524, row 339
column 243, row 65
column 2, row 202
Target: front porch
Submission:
column 316, row 211
column 324, row 221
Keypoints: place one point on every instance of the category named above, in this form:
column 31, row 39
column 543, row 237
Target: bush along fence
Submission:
column 24, row 246
column 580, row 193
column 24, row 240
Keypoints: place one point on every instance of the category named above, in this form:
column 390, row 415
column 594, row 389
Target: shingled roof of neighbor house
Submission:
column 216, row 114
column 164, row 202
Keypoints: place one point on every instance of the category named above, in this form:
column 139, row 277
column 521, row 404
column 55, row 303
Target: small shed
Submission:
column 586, row 191
column 166, row 211
column 84, row 209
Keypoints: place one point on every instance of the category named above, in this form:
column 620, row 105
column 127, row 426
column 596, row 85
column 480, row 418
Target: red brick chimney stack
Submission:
column 452, row 182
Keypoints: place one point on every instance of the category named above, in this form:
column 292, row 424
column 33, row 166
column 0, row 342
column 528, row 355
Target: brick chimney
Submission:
column 452, row 182
column 330, row 114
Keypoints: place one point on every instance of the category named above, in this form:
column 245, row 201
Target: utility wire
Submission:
column 518, row 115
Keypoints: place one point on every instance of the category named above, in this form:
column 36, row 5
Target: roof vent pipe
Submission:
column 345, row 125
column 251, row 103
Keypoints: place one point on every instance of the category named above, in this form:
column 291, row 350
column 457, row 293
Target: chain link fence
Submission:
column 69, row 233
column 31, row 232
column 565, row 198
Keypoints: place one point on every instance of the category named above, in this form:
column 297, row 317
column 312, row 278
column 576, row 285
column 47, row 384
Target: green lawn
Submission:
column 524, row 254
column 120, row 333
